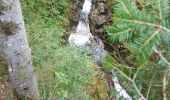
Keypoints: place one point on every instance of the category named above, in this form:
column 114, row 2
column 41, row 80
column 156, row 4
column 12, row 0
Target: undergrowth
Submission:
column 62, row 70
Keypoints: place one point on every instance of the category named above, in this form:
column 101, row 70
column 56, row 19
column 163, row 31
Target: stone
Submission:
column 74, row 16
column 100, row 16
column 102, row 1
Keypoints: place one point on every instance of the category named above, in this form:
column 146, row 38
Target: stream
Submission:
column 83, row 38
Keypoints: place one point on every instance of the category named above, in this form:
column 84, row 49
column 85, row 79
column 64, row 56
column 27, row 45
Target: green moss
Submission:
column 3, row 66
column 110, row 4
column 21, row 74
column 2, row 6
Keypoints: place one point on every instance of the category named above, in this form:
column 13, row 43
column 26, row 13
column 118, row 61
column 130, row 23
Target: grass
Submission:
column 62, row 70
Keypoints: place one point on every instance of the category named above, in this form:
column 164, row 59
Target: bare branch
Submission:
column 164, row 86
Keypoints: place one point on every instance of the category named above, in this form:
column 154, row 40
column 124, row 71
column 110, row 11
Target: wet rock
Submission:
column 74, row 16
column 97, row 51
column 100, row 16
column 102, row 1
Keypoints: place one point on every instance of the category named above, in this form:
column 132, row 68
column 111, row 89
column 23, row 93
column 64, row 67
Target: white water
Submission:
column 119, row 89
column 82, row 38
column 82, row 35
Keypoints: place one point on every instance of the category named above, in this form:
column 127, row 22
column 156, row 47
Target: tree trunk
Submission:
column 15, row 50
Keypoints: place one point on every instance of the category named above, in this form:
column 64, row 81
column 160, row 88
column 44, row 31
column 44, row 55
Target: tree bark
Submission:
column 16, row 52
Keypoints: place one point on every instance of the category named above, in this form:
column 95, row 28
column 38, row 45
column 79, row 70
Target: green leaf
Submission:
column 109, row 63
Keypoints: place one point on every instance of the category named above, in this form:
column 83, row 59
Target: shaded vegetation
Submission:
column 62, row 70
column 141, row 60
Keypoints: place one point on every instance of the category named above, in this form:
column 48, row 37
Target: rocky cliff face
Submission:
column 100, row 17
column 75, row 10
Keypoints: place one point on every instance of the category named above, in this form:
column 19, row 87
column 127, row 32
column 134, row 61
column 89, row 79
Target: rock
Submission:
column 74, row 16
column 100, row 16
column 97, row 51
column 102, row 1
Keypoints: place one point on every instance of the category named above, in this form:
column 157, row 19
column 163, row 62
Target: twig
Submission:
column 164, row 86
column 129, row 79
column 162, row 57
column 121, row 92
column 134, row 77
column 132, row 81
column 136, row 88
column 150, row 87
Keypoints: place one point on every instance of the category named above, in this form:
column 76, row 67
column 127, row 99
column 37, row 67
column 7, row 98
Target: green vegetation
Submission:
column 141, row 31
column 140, row 36
column 62, row 70
column 2, row 7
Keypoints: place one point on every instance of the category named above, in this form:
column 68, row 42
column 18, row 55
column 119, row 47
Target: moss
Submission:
column 3, row 66
column 2, row 7
column 110, row 4
column 8, row 28
column 21, row 74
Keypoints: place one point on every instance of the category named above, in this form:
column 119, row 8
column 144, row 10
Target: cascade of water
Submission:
column 82, row 38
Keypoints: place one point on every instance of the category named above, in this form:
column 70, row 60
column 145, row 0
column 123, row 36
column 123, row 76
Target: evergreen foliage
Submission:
column 143, row 27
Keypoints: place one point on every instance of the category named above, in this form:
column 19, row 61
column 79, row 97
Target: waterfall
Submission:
column 83, row 35
column 83, row 38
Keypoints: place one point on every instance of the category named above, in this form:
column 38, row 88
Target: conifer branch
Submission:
column 124, row 6
column 132, row 81
column 124, row 31
column 148, row 40
column 159, row 8
column 142, row 23
column 162, row 57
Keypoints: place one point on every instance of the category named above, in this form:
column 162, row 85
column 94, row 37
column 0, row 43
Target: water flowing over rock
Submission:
column 99, row 17
column 84, row 38
column 75, row 10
